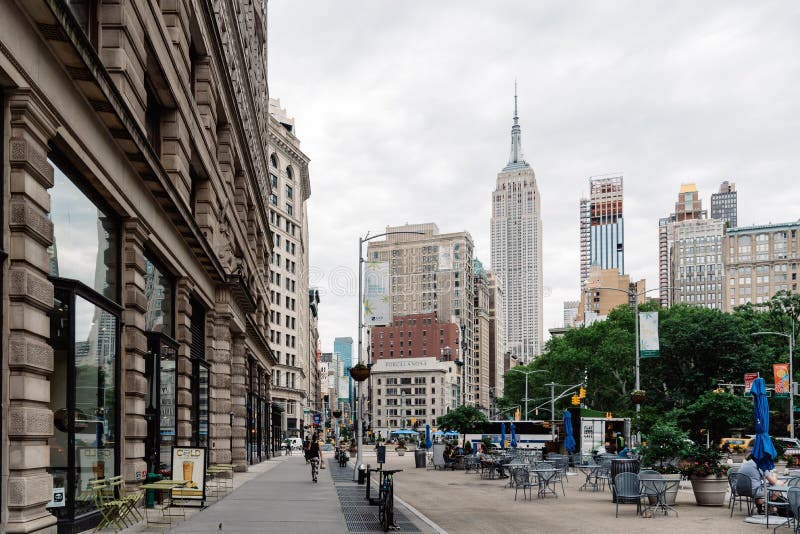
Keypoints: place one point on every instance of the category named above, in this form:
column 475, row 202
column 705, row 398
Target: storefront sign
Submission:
column 58, row 499
column 748, row 382
column 781, row 373
column 189, row 463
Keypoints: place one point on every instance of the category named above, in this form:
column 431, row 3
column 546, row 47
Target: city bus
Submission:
column 529, row 434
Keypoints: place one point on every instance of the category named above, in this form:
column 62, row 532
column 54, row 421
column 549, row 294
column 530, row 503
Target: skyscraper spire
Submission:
column 516, row 158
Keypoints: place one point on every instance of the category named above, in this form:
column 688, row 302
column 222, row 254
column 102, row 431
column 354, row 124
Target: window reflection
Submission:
column 84, row 238
column 158, row 292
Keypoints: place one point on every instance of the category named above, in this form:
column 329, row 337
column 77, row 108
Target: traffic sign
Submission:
column 316, row 418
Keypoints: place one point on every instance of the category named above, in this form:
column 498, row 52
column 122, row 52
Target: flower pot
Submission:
column 400, row 452
column 673, row 493
column 638, row 397
column 710, row 491
column 359, row 374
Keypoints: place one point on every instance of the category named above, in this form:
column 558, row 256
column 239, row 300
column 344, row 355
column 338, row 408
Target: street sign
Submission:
column 316, row 419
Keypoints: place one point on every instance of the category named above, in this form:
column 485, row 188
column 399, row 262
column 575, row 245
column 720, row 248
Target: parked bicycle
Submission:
column 386, row 500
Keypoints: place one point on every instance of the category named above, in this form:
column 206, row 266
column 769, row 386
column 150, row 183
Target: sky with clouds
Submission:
column 405, row 107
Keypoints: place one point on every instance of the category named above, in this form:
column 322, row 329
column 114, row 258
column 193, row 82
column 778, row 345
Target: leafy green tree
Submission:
column 716, row 413
column 464, row 420
column 665, row 442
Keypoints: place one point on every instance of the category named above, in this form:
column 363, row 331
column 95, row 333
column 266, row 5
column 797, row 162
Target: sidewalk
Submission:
column 282, row 499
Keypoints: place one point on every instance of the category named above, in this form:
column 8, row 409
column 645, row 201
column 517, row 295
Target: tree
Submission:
column 464, row 420
column 716, row 412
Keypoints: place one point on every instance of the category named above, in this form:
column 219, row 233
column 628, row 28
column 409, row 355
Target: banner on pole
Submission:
column 781, row 373
column 648, row 335
column 377, row 293
column 749, row 378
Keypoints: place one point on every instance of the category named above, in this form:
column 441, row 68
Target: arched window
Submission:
column 273, row 161
column 289, row 173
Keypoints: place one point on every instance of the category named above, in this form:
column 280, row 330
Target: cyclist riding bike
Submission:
column 315, row 456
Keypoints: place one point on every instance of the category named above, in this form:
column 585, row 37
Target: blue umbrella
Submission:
column 569, row 442
column 428, row 442
column 502, row 435
column 763, row 450
column 513, row 435
column 404, row 432
column 438, row 433
column 451, row 434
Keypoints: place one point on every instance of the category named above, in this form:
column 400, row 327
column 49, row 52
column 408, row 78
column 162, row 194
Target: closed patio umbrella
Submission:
column 569, row 442
column 513, row 435
column 502, row 435
column 764, row 452
column 428, row 442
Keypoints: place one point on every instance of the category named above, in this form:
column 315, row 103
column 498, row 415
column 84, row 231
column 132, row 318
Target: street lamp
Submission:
column 790, row 337
column 359, row 429
column 634, row 297
column 526, row 373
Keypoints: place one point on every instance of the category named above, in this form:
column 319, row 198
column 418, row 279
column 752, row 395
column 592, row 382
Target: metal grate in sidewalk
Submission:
column 360, row 516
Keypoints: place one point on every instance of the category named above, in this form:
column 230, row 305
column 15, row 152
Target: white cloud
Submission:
column 405, row 110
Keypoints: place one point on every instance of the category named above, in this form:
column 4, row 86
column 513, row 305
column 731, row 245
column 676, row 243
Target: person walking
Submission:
column 306, row 445
column 314, row 457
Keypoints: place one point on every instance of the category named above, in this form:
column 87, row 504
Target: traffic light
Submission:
column 582, row 393
column 576, row 400
column 608, row 415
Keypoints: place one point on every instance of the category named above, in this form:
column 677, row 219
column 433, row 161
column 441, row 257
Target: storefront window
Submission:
column 84, row 334
column 160, row 405
column 158, row 292
column 83, row 394
column 84, row 238
column 200, row 413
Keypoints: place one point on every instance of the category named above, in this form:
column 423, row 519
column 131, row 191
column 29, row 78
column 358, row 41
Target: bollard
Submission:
column 362, row 474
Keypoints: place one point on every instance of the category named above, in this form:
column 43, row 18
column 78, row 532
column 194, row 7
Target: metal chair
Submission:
column 521, row 478
column 741, row 490
column 626, row 486
column 794, row 506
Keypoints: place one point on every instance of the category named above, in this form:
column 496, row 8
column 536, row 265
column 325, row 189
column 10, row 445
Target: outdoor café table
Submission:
column 547, row 479
column 590, row 470
column 213, row 473
column 659, row 486
column 162, row 485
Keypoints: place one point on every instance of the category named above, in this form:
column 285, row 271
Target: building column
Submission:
column 238, row 403
column 220, row 391
column 30, row 357
column 134, row 349
column 183, row 390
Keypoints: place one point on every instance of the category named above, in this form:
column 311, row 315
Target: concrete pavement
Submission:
column 282, row 500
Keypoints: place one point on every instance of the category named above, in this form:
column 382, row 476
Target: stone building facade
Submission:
column 136, row 293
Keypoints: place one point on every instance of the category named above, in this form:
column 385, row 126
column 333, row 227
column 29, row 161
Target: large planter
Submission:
column 710, row 491
column 400, row 452
column 359, row 374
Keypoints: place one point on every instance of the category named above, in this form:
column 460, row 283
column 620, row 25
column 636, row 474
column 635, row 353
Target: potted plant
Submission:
column 638, row 396
column 400, row 448
column 468, row 447
column 487, row 443
column 662, row 445
column 359, row 372
column 703, row 467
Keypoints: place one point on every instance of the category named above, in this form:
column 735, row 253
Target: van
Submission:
column 295, row 443
column 792, row 445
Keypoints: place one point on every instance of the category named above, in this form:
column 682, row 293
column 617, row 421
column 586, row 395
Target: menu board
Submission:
column 189, row 463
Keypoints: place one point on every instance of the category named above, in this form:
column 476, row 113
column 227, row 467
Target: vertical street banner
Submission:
column 781, row 373
column 377, row 293
column 749, row 378
column 648, row 335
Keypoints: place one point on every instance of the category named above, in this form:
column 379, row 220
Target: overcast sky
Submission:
column 405, row 111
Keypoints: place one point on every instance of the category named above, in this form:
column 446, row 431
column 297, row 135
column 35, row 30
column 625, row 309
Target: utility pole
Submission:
column 552, row 411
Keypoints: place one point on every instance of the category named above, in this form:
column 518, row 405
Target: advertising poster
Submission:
column 648, row 335
column 189, row 463
column 748, row 382
column 94, row 464
column 377, row 293
column 781, row 373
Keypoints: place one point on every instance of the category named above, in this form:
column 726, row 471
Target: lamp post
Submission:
column 359, row 429
column 526, row 373
column 790, row 337
column 634, row 297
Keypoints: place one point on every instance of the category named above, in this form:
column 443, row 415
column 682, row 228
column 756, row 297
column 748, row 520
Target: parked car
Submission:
column 792, row 445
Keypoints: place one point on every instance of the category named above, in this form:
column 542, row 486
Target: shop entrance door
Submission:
column 160, row 402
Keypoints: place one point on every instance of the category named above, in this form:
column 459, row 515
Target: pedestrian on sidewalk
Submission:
column 314, row 455
column 306, row 446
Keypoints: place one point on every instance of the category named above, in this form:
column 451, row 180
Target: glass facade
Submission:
column 85, row 332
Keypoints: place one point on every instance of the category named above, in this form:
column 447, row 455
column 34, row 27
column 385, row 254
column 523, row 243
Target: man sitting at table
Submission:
column 757, row 478
column 486, row 458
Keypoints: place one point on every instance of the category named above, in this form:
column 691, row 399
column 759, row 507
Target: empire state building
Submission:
column 517, row 249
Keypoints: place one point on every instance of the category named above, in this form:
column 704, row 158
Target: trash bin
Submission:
column 419, row 458
column 362, row 474
column 622, row 465
column 150, row 495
